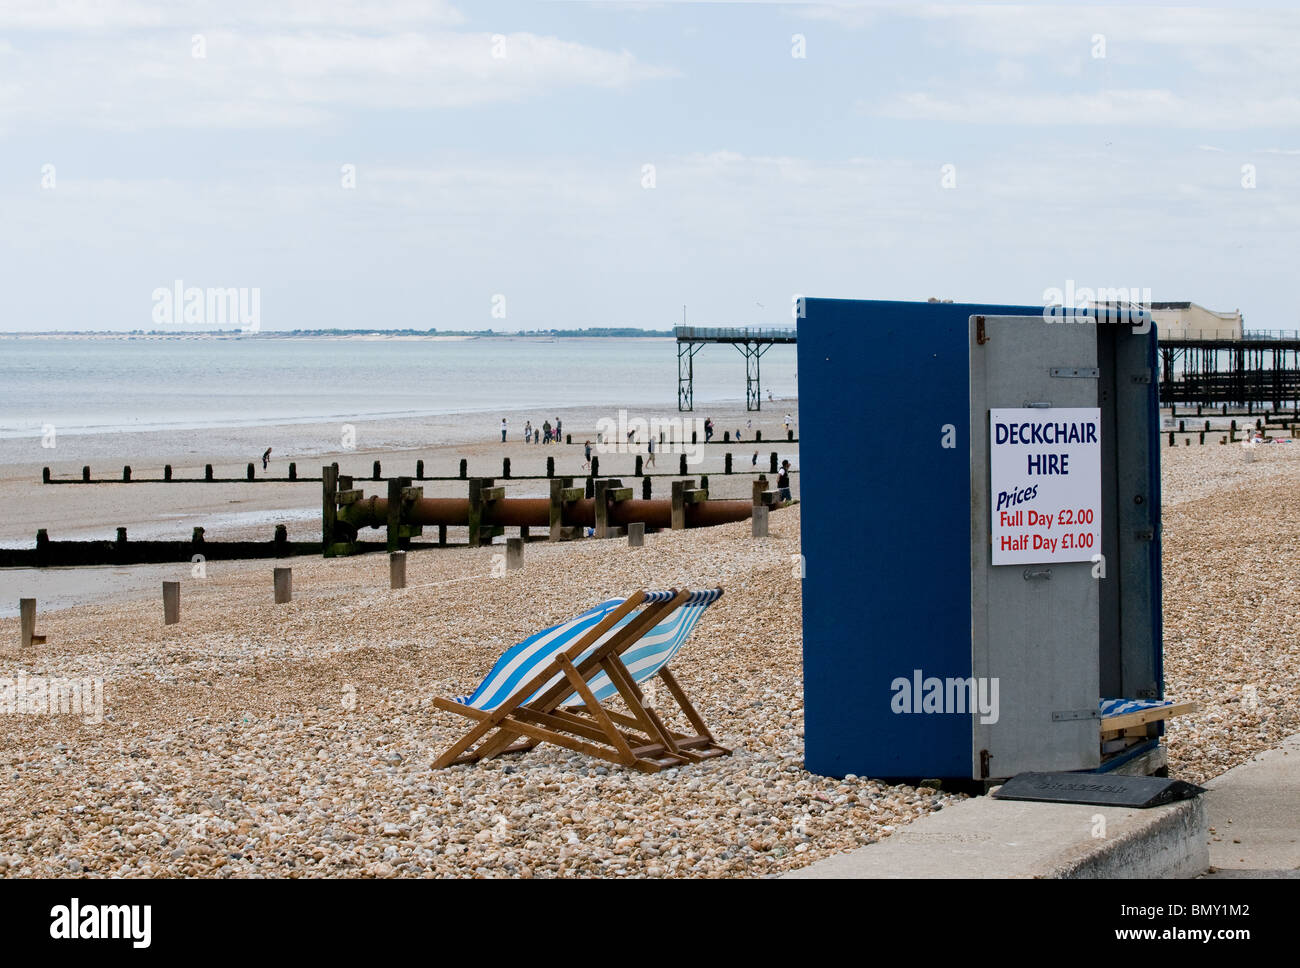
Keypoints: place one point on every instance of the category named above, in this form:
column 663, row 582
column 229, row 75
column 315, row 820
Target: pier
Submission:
column 751, row 342
column 1260, row 369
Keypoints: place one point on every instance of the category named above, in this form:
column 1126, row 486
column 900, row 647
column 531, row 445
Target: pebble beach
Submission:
column 297, row 740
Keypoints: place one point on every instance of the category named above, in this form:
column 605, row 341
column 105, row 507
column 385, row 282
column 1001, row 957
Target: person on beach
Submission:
column 753, row 462
column 503, row 430
column 783, row 483
column 546, row 432
column 528, row 431
column 788, row 421
column 586, row 456
column 708, row 430
column 558, row 438
column 266, row 458
column 650, row 449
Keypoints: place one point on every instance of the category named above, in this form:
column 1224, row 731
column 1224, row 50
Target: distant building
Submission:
column 1186, row 320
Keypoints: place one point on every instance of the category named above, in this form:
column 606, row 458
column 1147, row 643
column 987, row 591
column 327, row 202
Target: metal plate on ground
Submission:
column 1108, row 790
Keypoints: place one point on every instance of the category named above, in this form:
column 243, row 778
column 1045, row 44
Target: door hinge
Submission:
column 1074, row 715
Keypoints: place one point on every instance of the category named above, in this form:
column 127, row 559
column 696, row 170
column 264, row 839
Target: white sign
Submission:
column 1045, row 484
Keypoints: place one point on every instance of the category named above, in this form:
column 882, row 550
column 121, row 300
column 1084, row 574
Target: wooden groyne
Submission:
column 602, row 507
column 507, row 472
column 121, row 551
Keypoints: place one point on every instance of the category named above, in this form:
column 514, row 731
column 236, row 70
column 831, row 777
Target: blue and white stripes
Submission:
column 643, row 659
column 656, row 648
column 1118, row 707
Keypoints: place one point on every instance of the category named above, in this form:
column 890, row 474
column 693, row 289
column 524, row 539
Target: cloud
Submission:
column 1214, row 69
column 1151, row 107
column 292, row 77
column 99, row 15
column 576, row 238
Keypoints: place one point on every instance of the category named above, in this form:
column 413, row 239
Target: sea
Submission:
column 122, row 384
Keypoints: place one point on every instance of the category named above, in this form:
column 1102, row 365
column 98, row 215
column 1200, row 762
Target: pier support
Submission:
column 686, row 374
column 753, row 353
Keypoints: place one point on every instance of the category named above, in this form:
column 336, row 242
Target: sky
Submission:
column 523, row 165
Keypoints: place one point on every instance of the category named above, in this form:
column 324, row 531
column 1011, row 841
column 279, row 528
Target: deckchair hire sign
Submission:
column 1045, row 484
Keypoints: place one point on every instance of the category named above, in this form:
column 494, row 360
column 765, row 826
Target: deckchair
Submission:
column 553, row 686
column 1124, row 721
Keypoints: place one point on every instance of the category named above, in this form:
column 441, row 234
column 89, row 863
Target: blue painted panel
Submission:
column 886, row 530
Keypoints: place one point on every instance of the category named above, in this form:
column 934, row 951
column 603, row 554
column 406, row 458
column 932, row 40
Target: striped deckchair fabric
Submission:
column 552, row 686
column 656, row 649
column 1121, row 714
column 519, row 662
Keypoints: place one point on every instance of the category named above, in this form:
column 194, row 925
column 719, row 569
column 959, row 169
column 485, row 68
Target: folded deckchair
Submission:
column 554, row 685
column 1120, row 714
column 1124, row 722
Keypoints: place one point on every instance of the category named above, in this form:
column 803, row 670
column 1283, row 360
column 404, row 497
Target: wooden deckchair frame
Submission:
column 1135, row 724
column 640, row 740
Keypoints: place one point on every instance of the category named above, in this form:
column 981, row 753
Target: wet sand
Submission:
column 250, row 511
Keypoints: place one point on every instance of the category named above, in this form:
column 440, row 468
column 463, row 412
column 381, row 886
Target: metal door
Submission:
column 1034, row 629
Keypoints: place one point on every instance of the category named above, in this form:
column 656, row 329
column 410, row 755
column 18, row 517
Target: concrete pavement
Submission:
column 988, row 838
column 1254, row 812
column 1247, row 825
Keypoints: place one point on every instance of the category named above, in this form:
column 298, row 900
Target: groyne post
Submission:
column 27, row 624
column 329, row 507
column 171, row 602
column 283, row 578
column 514, row 554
